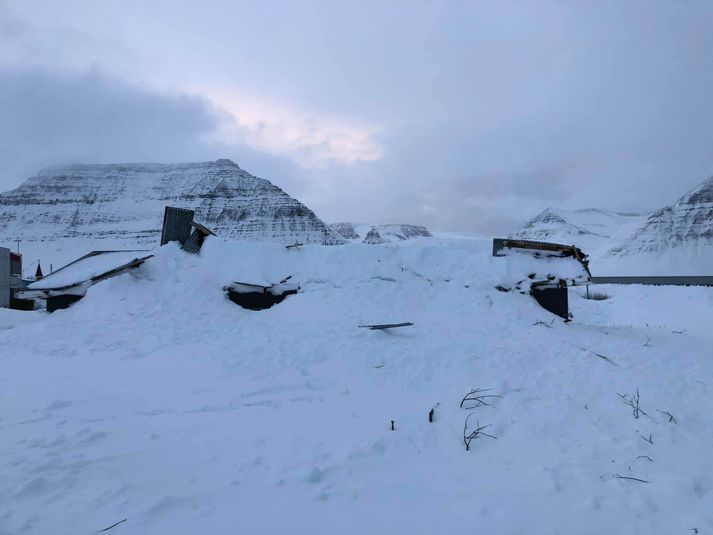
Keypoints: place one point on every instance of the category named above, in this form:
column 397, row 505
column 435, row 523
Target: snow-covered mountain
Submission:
column 374, row 234
column 675, row 240
column 121, row 205
column 687, row 223
column 592, row 229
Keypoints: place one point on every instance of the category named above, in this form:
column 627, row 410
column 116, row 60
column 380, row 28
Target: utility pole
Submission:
column 18, row 245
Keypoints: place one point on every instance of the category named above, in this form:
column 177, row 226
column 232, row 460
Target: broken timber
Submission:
column 381, row 327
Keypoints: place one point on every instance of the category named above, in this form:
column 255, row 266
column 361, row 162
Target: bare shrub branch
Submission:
column 469, row 437
column 476, row 395
column 604, row 357
column 633, row 402
column 630, row 478
column 671, row 417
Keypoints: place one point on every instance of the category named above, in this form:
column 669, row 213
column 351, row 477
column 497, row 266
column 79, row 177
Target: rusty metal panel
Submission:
column 176, row 225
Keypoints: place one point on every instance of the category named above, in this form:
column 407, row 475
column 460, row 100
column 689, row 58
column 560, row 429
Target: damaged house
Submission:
column 544, row 271
column 70, row 283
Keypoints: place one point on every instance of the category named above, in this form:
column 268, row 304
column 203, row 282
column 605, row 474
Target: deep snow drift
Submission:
column 157, row 400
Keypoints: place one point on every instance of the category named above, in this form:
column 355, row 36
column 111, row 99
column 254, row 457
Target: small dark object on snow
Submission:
column 258, row 297
column 671, row 417
column 385, row 326
column 112, row 526
column 430, row 416
column 392, row 425
column 295, row 245
column 552, row 297
column 58, row 302
column 630, row 478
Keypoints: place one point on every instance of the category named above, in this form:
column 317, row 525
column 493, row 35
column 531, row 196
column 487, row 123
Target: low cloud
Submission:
column 471, row 117
column 309, row 139
column 49, row 118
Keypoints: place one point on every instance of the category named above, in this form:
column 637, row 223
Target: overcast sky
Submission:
column 463, row 116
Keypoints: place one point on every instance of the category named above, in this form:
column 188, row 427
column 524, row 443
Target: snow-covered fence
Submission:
column 656, row 281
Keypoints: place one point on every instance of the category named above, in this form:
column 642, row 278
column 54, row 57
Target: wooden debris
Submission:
column 385, row 326
column 630, row 478
column 112, row 526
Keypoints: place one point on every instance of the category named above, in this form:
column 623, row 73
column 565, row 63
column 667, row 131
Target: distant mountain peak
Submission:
column 592, row 229
column 385, row 233
column 124, row 202
column 688, row 222
column 226, row 162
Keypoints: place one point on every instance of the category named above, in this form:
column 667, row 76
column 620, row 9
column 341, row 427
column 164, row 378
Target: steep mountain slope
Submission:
column 686, row 224
column 592, row 229
column 676, row 240
column 386, row 233
column 121, row 205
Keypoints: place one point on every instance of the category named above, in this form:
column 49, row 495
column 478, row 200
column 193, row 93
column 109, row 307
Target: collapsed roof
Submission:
column 544, row 270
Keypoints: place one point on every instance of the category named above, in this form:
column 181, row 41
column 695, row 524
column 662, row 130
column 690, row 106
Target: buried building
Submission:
column 71, row 282
column 543, row 270
column 10, row 278
column 260, row 297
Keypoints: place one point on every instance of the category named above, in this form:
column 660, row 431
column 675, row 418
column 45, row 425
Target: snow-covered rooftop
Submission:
column 86, row 268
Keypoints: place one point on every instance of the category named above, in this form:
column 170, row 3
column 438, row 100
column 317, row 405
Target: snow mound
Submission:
column 86, row 268
column 157, row 400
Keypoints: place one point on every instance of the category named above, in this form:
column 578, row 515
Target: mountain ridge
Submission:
column 675, row 239
column 121, row 205
column 383, row 233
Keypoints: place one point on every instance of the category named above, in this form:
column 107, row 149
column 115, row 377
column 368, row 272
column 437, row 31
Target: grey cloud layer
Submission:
column 488, row 112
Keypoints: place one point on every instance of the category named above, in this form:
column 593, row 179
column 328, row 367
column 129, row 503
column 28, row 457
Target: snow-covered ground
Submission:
column 157, row 400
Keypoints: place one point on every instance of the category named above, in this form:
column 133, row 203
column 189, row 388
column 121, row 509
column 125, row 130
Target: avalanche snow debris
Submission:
column 140, row 413
column 71, row 282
